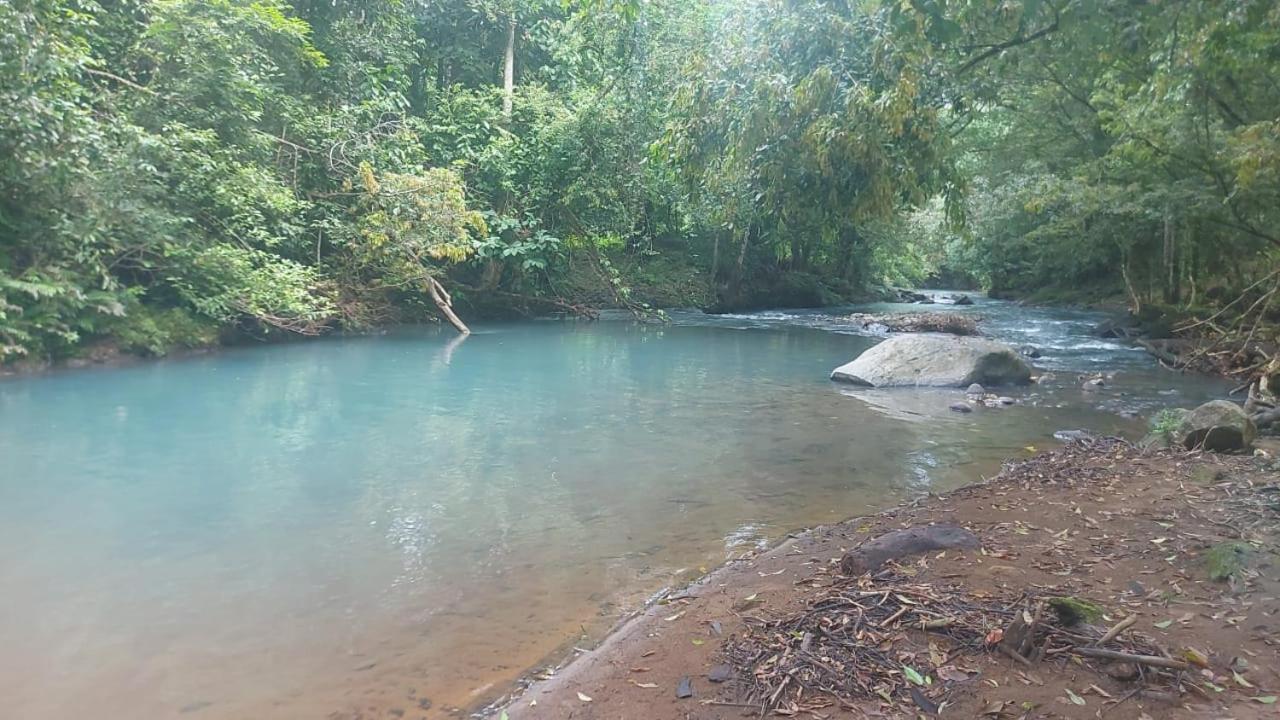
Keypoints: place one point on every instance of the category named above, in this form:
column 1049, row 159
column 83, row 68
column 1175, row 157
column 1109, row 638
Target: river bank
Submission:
column 1127, row 530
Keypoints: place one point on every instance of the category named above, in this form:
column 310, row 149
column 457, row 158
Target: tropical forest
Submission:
column 647, row 359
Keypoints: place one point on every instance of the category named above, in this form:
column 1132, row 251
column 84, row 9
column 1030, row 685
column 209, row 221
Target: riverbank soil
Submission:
column 1171, row 554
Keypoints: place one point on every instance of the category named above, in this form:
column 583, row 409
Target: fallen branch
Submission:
column 1116, row 629
column 1150, row 660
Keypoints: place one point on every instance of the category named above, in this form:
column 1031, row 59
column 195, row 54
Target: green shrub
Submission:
column 153, row 332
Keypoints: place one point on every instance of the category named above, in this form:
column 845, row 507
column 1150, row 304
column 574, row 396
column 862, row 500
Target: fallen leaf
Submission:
column 995, row 636
column 1240, row 680
column 1195, row 657
column 677, row 616
column 994, row 708
column 584, row 698
column 911, row 674
column 1075, row 698
column 1163, row 624
column 697, row 641
column 1265, row 699
column 646, row 686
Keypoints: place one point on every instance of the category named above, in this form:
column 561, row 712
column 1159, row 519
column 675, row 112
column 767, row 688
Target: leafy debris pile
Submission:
column 885, row 638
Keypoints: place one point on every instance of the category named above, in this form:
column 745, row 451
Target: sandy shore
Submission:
column 1124, row 529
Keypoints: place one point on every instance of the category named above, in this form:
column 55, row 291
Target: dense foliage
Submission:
column 175, row 169
column 1122, row 145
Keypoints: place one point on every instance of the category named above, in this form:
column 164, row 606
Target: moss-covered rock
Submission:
column 1226, row 560
column 1217, row 426
column 1074, row 611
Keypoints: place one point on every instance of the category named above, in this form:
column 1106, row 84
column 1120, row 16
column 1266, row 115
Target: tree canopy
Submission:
column 172, row 170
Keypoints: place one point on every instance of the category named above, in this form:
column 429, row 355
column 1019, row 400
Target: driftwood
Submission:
column 869, row 556
column 443, row 301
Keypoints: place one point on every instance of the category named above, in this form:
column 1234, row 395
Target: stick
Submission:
column 1014, row 654
column 1151, row 660
column 1116, row 629
column 1029, row 640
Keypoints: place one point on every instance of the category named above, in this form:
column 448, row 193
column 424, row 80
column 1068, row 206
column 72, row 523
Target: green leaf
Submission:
column 1075, row 698
column 1265, row 699
column 911, row 674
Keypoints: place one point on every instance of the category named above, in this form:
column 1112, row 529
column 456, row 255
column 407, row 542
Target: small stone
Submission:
column 1006, row 400
column 1094, row 384
column 720, row 673
column 424, row 703
column 685, row 688
column 975, row 389
column 962, row 407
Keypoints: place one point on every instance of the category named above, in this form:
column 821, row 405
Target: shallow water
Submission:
column 358, row 525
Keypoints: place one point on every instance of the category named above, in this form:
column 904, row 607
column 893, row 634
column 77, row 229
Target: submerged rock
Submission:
column 1217, row 426
column 1073, row 435
column 870, row 555
column 1119, row 328
column 975, row 389
column 1029, row 351
column 935, row 361
column 961, row 407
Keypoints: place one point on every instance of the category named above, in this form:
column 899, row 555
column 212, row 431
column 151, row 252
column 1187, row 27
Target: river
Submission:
column 352, row 526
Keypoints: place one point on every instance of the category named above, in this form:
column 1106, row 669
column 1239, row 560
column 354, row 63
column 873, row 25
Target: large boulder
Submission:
column 1217, row 426
column 935, row 361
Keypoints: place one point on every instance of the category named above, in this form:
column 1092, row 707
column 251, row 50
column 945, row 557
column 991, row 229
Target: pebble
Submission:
column 685, row 688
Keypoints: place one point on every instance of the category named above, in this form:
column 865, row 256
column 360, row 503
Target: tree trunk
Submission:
column 715, row 258
column 1170, row 259
column 509, row 69
column 1135, row 302
column 442, row 300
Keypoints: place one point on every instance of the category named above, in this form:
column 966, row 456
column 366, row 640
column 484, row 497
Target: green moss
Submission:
column 1073, row 610
column 1227, row 560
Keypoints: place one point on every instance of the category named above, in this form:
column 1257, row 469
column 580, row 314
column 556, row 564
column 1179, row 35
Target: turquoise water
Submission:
column 341, row 528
